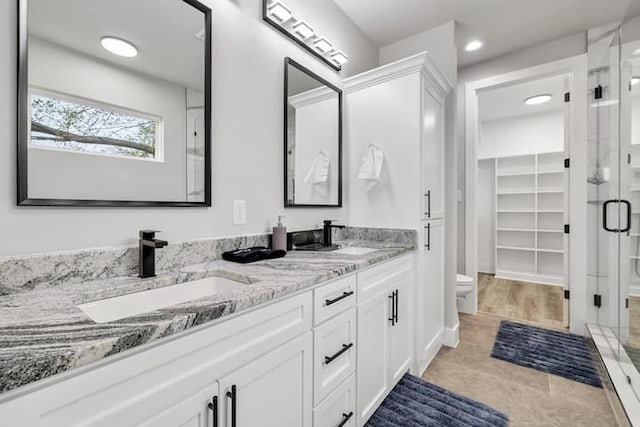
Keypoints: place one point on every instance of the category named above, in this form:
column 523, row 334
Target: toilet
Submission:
column 464, row 286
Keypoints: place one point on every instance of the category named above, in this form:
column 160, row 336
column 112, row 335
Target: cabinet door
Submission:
column 401, row 330
column 372, row 354
column 274, row 390
column 198, row 410
column 431, row 293
column 433, row 158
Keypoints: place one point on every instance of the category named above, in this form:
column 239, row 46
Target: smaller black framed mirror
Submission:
column 312, row 139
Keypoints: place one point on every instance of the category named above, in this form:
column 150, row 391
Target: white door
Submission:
column 372, row 354
column 400, row 328
column 432, row 158
column 431, row 319
column 198, row 410
column 274, row 390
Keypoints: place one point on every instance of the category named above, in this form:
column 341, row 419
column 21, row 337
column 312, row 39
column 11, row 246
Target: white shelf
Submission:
column 530, row 205
column 514, row 248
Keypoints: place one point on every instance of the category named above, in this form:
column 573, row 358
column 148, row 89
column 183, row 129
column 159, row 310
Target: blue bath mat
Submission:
column 417, row 403
column 553, row 352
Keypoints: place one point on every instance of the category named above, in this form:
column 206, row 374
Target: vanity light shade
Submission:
column 303, row 30
column 323, row 45
column 279, row 11
column 340, row 57
column 119, row 46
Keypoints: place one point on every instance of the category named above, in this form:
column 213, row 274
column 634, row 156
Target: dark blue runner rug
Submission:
column 553, row 352
column 417, row 403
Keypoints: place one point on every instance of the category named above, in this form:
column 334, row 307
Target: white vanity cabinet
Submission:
column 324, row 357
column 385, row 332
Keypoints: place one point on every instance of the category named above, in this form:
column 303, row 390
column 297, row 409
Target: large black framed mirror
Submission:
column 114, row 103
column 312, row 139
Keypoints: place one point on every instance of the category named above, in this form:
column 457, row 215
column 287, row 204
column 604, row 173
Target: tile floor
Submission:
column 528, row 396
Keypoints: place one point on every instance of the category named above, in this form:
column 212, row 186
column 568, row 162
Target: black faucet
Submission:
column 147, row 250
column 327, row 231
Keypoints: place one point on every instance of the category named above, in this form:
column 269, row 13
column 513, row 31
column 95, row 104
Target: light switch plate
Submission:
column 239, row 212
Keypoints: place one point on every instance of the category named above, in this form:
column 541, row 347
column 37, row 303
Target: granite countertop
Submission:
column 43, row 333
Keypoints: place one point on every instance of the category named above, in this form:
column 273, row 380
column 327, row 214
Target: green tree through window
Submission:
column 68, row 125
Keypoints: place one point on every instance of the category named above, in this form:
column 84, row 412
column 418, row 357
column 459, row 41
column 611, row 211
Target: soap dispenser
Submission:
column 280, row 236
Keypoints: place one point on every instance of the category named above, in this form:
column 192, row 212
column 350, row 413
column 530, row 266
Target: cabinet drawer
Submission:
column 334, row 357
column 376, row 279
column 339, row 408
column 334, row 298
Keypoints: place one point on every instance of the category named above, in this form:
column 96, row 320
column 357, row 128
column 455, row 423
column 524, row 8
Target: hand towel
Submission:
column 371, row 168
column 319, row 169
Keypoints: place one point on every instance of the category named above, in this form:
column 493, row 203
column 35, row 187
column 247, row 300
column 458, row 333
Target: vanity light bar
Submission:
column 283, row 17
column 323, row 45
column 303, row 30
column 340, row 57
column 279, row 11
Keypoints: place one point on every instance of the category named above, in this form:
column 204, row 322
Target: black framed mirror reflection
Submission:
column 114, row 103
column 312, row 139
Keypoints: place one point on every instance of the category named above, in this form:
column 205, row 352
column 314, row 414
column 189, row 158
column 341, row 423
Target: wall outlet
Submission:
column 239, row 212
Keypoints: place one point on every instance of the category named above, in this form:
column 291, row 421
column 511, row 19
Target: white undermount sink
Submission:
column 111, row 309
column 354, row 251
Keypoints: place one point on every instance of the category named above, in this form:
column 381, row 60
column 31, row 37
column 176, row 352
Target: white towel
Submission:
column 371, row 168
column 319, row 169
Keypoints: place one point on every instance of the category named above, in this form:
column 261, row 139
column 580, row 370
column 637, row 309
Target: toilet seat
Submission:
column 464, row 285
column 463, row 280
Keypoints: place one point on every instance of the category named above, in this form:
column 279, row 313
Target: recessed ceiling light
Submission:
column 473, row 45
column 340, row 57
column 323, row 45
column 635, row 81
column 302, row 29
column 119, row 46
column 279, row 11
column 538, row 99
column 637, row 51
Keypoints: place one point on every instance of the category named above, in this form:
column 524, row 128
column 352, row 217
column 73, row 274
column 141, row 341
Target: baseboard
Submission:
column 430, row 352
column 486, row 268
column 450, row 336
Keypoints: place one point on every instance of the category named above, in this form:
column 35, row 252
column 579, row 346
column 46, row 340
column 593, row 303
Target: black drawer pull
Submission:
column 345, row 419
column 213, row 405
column 328, row 302
column 233, row 395
column 345, row 348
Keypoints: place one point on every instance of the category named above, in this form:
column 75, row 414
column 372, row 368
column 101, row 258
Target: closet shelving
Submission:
column 530, row 217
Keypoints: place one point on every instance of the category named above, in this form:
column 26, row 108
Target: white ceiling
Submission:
column 508, row 101
column 164, row 33
column 504, row 25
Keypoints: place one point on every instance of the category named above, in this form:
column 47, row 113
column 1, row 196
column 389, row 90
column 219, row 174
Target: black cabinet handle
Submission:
column 346, row 294
column 428, row 207
column 428, row 242
column 392, row 297
column 345, row 419
column 395, row 307
column 233, row 395
column 344, row 349
column 213, row 405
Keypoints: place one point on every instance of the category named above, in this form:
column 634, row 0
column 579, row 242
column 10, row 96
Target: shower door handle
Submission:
column 628, row 227
column 605, row 216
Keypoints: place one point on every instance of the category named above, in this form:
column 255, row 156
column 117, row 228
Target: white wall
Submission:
column 572, row 45
column 512, row 136
column 75, row 175
column 247, row 140
column 438, row 41
column 486, row 216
